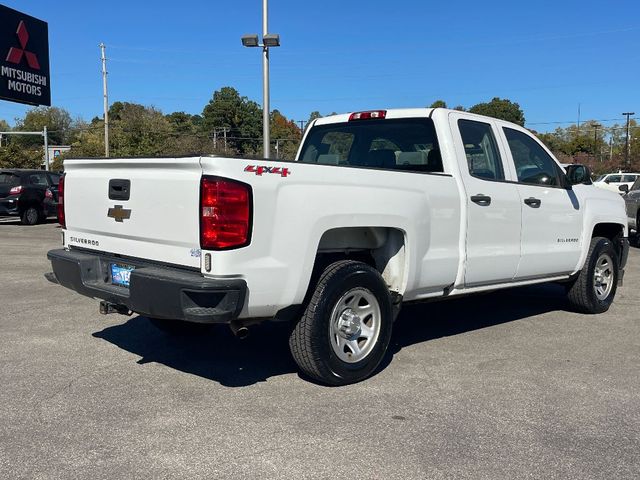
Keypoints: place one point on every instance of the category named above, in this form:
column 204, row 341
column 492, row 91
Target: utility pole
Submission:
column 595, row 142
column 215, row 139
column 627, row 147
column 224, row 132
column 106, row 100
column 301, row 122
column 46, row 148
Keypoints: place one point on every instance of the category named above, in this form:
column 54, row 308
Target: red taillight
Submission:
column 61, row 218
column 16, row 190
column 225, row 214
column 368, row 115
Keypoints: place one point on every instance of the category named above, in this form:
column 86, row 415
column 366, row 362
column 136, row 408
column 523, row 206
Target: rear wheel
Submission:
column 180, row 328
column 30, row 216
column 595, row 288
column 346, row 327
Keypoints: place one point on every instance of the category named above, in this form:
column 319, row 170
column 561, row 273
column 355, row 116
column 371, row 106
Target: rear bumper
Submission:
column 9, row 207
column 154, row 291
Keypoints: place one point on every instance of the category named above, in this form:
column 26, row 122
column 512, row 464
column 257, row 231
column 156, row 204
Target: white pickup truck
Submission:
column 379, row 208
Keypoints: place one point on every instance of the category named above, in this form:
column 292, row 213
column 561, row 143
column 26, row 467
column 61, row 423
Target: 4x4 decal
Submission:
column 259, row 170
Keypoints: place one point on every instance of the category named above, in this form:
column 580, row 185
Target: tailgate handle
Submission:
column 119, row 189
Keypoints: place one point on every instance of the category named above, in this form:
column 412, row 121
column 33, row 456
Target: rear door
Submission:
column 493, row 204
column 142, row 208
column 551, row 214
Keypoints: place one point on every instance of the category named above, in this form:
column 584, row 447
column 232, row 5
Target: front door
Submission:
column 552, row 235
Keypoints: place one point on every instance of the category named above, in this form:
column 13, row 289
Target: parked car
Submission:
column 380, row 208
column 612, row 181
column 31, row 195
column 632, row 201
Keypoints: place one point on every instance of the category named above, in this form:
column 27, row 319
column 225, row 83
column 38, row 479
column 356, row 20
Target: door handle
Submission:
column 533, row 202
column 482, row 200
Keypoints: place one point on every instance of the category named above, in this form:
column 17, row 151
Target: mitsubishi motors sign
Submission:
column 24, row 58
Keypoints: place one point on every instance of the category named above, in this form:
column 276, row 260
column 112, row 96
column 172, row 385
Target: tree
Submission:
column 57, row 120
column 438, row 104
column 240, row 117
column 136, row 130
column 500, row 108
column 15, row 155
column 287, row 133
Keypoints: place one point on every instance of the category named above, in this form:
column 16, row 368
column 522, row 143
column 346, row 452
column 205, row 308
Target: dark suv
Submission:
column 31, row 195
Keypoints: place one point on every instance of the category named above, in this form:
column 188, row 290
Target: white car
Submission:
column 612, row 181
column 380, row 208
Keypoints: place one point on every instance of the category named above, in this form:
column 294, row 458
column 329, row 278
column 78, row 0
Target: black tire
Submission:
column 311, row 339
column 179, row 328
column 30, row 216
column 583, row 294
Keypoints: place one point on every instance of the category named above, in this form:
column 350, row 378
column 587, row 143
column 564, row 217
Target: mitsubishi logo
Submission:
column 15, row 54
column 119, row 214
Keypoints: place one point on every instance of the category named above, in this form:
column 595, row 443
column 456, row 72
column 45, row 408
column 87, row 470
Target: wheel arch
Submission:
column 383, row 248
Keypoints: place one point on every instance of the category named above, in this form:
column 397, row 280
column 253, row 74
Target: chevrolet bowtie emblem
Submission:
column 119, row 214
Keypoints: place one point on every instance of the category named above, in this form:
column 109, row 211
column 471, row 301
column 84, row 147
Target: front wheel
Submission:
column 346, row 327
column 594, row 289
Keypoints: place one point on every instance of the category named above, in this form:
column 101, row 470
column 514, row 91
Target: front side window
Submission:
column 533, row 165
column 614, row 179
column 395, row 144
column 38, row 179
column 483, row 156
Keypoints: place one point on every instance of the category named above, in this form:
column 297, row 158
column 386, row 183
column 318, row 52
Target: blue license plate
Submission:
column 120, row 274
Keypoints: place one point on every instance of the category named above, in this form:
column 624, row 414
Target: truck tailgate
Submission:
column 159, row 221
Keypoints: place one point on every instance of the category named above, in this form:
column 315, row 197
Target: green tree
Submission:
column 15, row 155
column 438, row 104
column 136, row 130
column 240, row 117
column 57, row 120
column 500, row 108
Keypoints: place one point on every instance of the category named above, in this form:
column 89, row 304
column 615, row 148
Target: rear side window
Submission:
column 533, row 165
column 395, row 144
column 629, row 178
column 55, row 179
column 483, row 156
column 38, row 179
column 9, row 180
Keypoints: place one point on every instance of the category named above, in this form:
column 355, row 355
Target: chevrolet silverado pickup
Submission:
column 379, row 208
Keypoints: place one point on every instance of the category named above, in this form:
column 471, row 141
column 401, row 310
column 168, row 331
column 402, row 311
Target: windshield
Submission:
column 400, row 144
column 600, row 178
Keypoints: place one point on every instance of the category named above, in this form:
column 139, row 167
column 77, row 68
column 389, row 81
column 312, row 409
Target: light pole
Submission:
column 268, row 40
column 627, row 146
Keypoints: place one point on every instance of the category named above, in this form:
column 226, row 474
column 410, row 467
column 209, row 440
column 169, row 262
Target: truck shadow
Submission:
column 221, row 357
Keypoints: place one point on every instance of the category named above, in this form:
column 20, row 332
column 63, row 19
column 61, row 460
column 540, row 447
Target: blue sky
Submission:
column 549, row 56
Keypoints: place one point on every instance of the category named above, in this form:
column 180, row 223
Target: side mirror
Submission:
column 624, row 188
column 578, row 175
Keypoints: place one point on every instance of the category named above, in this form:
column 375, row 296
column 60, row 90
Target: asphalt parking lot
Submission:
column 504, row 385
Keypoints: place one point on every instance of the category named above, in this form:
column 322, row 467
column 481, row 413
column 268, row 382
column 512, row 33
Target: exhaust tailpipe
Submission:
column 239, row 330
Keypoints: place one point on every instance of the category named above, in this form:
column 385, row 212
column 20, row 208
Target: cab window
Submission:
column 483, row 156
column 533, row 165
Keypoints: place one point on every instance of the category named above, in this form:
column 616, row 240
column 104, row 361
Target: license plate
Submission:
column 120, row 274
